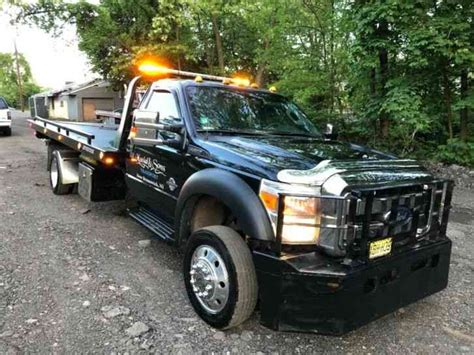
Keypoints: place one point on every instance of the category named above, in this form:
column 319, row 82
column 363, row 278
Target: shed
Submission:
column 77, row 102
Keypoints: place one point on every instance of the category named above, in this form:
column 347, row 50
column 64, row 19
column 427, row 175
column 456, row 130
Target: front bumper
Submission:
column 313, row 293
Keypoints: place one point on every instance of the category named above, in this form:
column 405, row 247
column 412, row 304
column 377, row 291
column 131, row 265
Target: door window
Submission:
column 164, row 103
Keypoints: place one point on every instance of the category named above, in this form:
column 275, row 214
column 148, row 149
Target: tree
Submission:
column 395, row 73
column 9, row 79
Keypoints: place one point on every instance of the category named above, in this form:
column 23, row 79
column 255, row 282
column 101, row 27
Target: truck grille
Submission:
column 407, row 214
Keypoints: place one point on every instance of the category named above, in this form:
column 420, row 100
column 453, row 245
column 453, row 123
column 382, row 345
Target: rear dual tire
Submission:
column 220, row 277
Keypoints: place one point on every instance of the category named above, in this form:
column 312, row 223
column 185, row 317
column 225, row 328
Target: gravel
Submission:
column 111, row 312
column 54, row 258
column 144, row 243
column 137, row 329
column 462, row 176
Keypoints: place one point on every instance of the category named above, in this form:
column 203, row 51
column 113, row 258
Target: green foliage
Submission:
column 8, row 79
column 456, row 151
column 395, row 74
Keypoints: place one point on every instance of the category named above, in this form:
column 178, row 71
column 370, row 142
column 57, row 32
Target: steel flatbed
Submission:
column 95, row 140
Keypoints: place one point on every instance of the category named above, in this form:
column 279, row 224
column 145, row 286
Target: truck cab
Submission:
column 326, row 235
column 5, row 118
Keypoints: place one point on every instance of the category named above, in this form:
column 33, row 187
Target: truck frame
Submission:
column 323, row 247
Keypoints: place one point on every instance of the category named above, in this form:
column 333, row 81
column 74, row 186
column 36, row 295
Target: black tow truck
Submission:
column 325, row 235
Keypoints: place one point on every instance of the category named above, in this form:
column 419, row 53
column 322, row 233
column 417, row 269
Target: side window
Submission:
column 3, row 104
column 164, row 103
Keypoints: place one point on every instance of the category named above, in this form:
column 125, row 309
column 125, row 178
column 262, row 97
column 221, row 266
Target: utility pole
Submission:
column 18, row 79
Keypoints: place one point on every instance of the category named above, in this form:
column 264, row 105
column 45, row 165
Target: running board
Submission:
column 152, row 222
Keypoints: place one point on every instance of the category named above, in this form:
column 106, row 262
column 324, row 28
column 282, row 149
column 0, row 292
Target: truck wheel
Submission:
column 55, row 177
column 220, row 276
column 7, row 132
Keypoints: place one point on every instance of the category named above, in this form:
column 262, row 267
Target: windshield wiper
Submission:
column 283, row 133
column 230, row 131
column 257, row 133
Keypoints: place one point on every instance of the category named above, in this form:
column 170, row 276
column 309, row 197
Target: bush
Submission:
column 456, row 151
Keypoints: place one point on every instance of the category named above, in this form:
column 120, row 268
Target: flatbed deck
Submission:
column 93, row 139
column 104, row 135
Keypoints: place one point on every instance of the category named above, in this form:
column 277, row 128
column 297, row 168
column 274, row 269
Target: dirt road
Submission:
column 74, row 278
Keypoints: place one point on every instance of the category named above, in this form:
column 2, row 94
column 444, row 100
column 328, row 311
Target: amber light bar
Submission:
column 154, row 70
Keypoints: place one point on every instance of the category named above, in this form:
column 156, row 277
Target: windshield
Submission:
column 3, row 104
column 237, row 110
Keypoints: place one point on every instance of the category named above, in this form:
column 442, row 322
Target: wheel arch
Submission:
column 231, row 191
column 68, row 164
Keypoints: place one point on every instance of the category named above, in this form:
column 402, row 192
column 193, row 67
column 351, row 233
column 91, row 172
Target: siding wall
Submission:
column 73, row 104
column 73, row 109
column 60, row 107
column 97, row 93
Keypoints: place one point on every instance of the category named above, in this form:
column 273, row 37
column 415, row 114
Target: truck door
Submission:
column 155, row 173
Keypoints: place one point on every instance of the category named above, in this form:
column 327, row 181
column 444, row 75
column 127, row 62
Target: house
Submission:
column 77, row 102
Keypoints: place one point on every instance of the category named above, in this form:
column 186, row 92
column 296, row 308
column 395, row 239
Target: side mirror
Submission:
column 330, row 132
column 146, row 127
column 146, row 116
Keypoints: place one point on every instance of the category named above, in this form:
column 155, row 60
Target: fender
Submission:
column 232, row 191
column 68, row 161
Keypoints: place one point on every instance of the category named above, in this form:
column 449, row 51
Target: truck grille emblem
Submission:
column 403, row 216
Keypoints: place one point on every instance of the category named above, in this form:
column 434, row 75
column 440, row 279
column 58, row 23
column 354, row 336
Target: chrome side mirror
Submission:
column 146, row 116
column 145, row 130
column 146, row 127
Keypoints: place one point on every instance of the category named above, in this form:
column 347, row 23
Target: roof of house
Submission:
column 73, row 89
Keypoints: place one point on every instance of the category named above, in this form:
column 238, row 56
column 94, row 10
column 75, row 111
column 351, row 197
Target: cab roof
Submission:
column 180, row 83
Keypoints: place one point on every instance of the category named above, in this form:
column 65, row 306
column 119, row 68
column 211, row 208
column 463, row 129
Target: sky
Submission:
column 53, row 61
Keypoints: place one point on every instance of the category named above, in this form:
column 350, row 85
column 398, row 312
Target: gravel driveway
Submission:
column 74, row 279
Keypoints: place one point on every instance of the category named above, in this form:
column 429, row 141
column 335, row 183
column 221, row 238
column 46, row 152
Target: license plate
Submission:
column 380, row 248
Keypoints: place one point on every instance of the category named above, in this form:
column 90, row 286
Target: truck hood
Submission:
column 335, row 177
column 284, row 158
column 276, row 153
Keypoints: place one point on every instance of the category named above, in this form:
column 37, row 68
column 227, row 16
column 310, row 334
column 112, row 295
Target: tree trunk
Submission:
column 384, row 119
column 260, row 77
column 383, row 61
column 262, row 66
column 373, row 93
column 207, row 48
column 177, row 40
column 219, row 49
column 332, row 69
column 383, row 33
column 19, row 80
column 373, row 82
column 464, row 113
column 448, row 101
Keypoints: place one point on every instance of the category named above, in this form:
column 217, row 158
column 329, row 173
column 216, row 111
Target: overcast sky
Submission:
column 53, row 61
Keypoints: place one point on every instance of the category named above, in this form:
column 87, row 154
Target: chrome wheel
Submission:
column 209, row 279
column 54, row 173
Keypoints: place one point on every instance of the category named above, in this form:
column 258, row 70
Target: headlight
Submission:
column 306, row 217
column 301, row 214
column 301, row 220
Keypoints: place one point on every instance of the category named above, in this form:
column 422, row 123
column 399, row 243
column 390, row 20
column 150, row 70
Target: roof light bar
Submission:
column 153, row 69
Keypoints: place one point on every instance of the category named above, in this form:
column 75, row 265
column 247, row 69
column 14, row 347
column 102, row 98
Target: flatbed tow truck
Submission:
column 325, row 235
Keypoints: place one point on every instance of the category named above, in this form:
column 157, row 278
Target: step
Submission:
column 154, row 223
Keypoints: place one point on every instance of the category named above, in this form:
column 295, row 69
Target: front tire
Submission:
column 220, row 276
